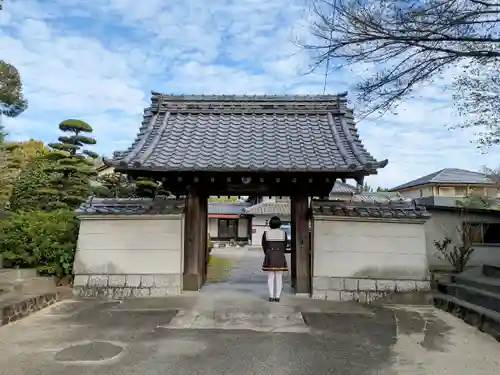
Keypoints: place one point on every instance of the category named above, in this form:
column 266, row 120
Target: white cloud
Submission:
column 98, row 60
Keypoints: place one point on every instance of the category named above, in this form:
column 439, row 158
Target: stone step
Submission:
column 480, row 282
column 491, row 271
column 8, row 275
column 472, row 295
column 484, row 319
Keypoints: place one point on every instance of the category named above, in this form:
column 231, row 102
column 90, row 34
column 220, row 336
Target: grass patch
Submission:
column 219, row 269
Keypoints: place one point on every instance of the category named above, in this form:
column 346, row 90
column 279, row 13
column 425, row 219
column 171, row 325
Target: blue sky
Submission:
column 98, row 60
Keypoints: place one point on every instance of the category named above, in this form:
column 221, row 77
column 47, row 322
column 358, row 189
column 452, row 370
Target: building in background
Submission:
column 449, row 182
column 227, row 222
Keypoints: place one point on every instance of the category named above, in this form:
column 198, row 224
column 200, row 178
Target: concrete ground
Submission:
column 230, row 328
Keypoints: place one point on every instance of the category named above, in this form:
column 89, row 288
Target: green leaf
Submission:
column 75, row 126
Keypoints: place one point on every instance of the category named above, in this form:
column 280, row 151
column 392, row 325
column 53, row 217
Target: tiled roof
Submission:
column 234, row 208
column 379, row 197
column 448, row 176
column 247, row 133
column 131, row 206
column 342, row 188
column 400, row 210
column 270, row 208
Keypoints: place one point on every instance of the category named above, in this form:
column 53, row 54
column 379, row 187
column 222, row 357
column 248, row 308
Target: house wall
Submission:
column 125, row 256
column 444, row 224
column 364, row 259
column 213, row 228
column 259, row 225
column 418, row 192
column 458, row 191
column 243, row 228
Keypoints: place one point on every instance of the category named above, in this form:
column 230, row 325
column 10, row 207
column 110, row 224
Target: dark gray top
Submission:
column 131, row 206
column 247, row 133
column 392, row 210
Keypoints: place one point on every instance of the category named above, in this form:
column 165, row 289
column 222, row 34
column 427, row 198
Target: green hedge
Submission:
column 42, row 240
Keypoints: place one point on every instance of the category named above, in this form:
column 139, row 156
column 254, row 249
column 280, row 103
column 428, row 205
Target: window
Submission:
column 228, row 228
column 446, row 191
column 482, row 233
column 460, row 191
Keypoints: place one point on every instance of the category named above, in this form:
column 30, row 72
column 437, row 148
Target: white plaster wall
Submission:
column 369, row 249
column 444, row 224
column 258, row 228
column 130, row 245
column 243, row 227
column 213, row 228
column 259, row 225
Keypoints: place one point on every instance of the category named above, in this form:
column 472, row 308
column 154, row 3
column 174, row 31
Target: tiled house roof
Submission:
column 400, row 210
column 270, row 208
column 234, row 208
column 247, row 133
column 447, row 176
column 342, row 188
column 131, row 206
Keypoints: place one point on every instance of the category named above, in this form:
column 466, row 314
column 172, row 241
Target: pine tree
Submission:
column 72, row 166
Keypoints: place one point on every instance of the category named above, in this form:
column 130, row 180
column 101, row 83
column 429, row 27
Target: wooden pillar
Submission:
column 301, row 241
column 204, row 236
column 293, row 249
column 193, row 241
column 249, row 228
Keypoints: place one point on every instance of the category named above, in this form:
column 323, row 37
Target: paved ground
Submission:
column 230, row 328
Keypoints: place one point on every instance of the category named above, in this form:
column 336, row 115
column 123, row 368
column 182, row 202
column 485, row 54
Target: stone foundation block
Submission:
column 133, row 281
column 405, row 286
column 317, row 294
column 347, row 296
column 362, row 290
column 386, row 285
column 117, row 280
column 367, row 285
column 126, row 286
column 336, row 283
column 333, row 295
column 80, row 280
column 321, row 283
column 423, row 285
column 147, row 281
column 98, row 280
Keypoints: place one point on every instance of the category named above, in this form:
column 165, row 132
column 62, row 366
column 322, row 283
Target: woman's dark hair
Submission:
column 275, row 222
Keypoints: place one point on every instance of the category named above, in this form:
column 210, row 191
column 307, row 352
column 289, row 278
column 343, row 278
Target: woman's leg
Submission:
column 270, row 283
column 279, row 283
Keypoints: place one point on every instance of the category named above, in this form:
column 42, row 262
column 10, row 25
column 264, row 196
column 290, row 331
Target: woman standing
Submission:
column 274, row 245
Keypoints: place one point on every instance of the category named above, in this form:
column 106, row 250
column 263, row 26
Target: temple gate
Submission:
column 199, row 146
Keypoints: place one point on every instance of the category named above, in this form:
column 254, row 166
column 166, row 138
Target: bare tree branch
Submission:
column 409, row 42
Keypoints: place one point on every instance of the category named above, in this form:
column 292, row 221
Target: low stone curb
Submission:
column 11, row 311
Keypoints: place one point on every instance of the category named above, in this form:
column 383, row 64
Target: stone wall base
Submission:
column 127, row 286
column 363, row 290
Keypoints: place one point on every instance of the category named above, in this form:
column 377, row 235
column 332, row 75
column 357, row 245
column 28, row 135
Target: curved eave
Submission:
column 122, row 166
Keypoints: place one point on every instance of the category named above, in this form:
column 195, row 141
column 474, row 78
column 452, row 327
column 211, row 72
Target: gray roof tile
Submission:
column 342, row 187
column 448, row 176
column 247, row 133
column 131, row 206
column 270, row 208
column 393, row 210
column 232, row 208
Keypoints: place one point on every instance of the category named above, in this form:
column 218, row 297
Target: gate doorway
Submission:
column 196, row 253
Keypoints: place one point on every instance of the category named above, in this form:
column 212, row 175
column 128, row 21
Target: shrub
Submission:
column 457, row 256
column 42, row 240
